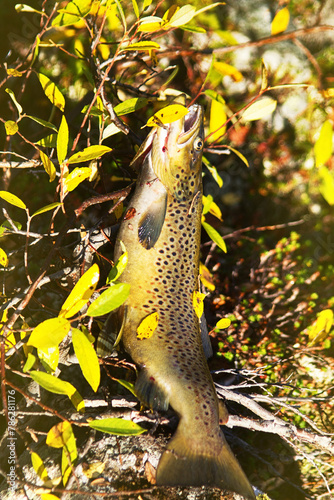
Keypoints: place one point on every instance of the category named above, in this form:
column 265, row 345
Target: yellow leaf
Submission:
column 142, row 46
column 81, row 293
column 13, row 72
column 324, row 144
column 11, row 127
column 75, row 178
column 49, row 333
column 206, row 277
column 12, row 199
column 62, row 140
column 87, row 358
column 48, row 496
column 168, row 114
column 58, row 386
column 223, row 323
column 226, row 69
column 217, row 119
column 241, row 156
column 39, row 466
column 52, row 92
column 198, row 303
column 210, row 206
column 50, row 356
column 49, row 167
column 280, row 21
column 148, row 325
column 90, row 153
column 259, row 109
column 182, row 16
column 59, row 434
column 3, row 258
column 150, row 24
column 321, row 327
column 326, row 187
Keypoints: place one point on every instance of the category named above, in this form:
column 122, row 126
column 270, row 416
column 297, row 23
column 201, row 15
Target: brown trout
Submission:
column 161, row 232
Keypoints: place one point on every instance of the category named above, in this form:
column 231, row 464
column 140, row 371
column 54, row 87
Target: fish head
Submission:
column 177, row 154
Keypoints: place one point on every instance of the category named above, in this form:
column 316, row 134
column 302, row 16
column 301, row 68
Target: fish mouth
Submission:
column 191, row 124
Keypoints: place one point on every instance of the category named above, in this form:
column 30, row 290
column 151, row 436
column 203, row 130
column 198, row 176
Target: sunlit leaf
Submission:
column 52, row 92
column 326, row 187
column 59, row 434
column 198, row 303
column 119, row 267
column 210, row 206
column 49, row 357
column 206, row 277
column 168, row 114
column 12, row 96
column 182, row 16
column 49, row 167
column 62, row 140
column 13, row 72
column 72, row 13
column 50, row 141
column 11, row 127
column 90, row 153
column 39, row 466
column 69, row 457
column 148, row 326
column 218, row 118
column 135, row 8
column 109, row 300
column 142, row 46
column 117, row 426
column 223, row 323
column 110, row 130
column 150, row 24
column 47, row 208
column 240, row 155
column 213, row 171
column 280, row 21
column 321, row 327
column 146, row 3
column 87, row 358
column 259, row 109
column 31, row 360
column 215, row 236
column 49, row 496
column 226, row 69
column 21, row 7
column 78, row 175
column 49, row 333
column 81, row 293
column 323, row 147
column 12, row 199
column 130, row 105
column 57, row 386
column 3, row 258
column 127, row 385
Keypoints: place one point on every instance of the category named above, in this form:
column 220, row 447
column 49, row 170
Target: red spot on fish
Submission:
column 130, row 213
column 164, row 149
column 152, row 378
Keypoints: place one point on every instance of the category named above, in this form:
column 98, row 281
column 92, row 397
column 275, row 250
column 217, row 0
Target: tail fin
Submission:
column 190, row 462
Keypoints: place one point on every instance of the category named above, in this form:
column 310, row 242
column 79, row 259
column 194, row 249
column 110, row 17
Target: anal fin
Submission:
column 149, row 392
column 151, row 222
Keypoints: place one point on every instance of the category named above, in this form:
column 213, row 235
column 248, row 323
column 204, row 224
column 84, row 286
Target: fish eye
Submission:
column 198, row 144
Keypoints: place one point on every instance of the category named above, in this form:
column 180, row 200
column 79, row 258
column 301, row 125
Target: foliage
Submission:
column 78, row 91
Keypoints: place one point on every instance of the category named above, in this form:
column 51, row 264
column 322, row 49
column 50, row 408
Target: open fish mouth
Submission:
column 191, row 124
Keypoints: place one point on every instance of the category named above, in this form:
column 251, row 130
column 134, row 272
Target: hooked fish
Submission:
column 161, row 232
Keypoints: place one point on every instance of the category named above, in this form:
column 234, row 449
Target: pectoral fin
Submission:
column 151, row 222
column 149, row 392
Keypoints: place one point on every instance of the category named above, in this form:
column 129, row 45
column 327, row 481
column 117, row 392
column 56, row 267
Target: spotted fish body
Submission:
column 162, row 237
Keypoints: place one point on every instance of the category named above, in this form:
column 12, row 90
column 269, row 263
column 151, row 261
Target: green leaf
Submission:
column 127, row 385
column 118, row 268
column 69, row 454
column 49, row 167
column 3, row 258
column 87, row 358
column 72, row 13
column 259, row 109
column 109, row 300
column 130, row 105
column 57, row 386
column 12, row 199
column 142, row 46
column 215, row 236
column 90, row 153
column 12, row 95
column 52, row 92
column 49, row 358
column 75, row 178
column 213, row 171
column 62, row 140
column 50, row 141
column 11, row 127
column 327, row 184
column 44, row 123
column 81, row 293
column 31, row 360
column 324, row 144
column 208, row 7
column 49, row 333
column 47, row 208
column 117, row 426
column 182, row 16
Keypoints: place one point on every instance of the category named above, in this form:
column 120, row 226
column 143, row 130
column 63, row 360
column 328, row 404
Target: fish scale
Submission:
column 162, row 238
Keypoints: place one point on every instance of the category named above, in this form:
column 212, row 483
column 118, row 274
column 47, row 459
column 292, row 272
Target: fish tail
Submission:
column 188, row 462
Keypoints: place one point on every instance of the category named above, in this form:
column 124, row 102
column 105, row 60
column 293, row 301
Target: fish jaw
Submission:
column 177, row 154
